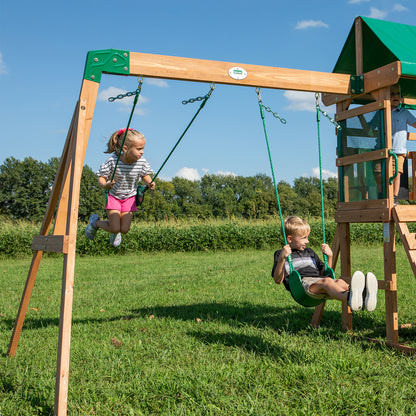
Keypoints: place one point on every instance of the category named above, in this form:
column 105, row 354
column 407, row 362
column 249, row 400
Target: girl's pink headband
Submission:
column 121, row 131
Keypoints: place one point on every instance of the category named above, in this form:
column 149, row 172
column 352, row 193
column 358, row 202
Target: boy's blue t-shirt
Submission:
column 305, row 262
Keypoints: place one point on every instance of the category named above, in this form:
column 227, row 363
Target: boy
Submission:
column 400, row 119
column 362, row 292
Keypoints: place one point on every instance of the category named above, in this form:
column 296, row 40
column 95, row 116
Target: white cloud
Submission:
column 357, row 1
column 226, row 173
column 300, row 100
column 3, row 69
column 399, row 8
column 306, row 24
column 188, row 173
column 157, row 82
column 377, row 13
column 325, row 173
column 193, row 173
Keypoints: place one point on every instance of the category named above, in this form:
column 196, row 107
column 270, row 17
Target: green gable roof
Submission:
column 383, row 43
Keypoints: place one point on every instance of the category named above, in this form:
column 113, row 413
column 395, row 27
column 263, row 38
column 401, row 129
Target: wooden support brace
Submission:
column 54, row 243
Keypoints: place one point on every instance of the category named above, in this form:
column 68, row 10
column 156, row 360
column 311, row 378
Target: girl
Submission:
column 122, row 189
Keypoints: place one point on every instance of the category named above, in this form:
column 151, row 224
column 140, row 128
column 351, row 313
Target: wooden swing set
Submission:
column 368, row 85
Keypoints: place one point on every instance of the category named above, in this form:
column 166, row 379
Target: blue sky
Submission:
column 43, row 47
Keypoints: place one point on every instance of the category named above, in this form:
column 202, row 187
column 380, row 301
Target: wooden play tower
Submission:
column 363, row 75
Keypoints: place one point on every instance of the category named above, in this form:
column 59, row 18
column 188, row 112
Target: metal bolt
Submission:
column 114, row 60
column 125, row 54
column 83, row 107
column 92, row 76
column 125, row 68
column 95, row 59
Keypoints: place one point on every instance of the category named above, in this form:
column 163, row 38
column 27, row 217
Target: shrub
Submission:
column 16, row 237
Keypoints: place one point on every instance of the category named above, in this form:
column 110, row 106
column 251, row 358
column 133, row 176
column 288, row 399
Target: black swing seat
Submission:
column 299, row 294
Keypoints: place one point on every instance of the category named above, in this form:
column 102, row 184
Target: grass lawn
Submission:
column 200, row 334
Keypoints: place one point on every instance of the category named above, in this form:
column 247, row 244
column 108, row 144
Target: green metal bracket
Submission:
column 357, row 84
column 111, row 61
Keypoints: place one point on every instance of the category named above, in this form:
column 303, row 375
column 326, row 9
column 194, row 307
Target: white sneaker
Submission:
column 115, row 239
column 371, row 287
column 355, row 298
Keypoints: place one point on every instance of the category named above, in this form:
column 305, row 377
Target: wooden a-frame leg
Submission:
column 89, row 92
column 62, row 371
column 56, row 195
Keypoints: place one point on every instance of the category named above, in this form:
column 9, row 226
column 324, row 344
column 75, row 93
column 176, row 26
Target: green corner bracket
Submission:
column 110, row 61
column 357, row 84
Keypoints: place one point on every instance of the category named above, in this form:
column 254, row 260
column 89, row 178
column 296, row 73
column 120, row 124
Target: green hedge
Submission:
column 16, row 238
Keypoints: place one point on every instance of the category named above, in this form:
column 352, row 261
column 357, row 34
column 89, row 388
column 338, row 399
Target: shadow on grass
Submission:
column 291, row 319
column 250, row 343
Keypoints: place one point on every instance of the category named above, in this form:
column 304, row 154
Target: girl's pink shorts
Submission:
column 122, row 205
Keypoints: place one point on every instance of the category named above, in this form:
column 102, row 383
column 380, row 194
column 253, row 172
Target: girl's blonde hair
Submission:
column 116, row 139
column 295, row 226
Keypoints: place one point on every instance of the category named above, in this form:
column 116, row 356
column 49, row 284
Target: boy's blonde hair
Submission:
column 296, row 226
column 116, row 139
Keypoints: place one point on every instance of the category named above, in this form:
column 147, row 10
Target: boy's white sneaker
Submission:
column 115, row 239
column 370, row 292
column 355, row 298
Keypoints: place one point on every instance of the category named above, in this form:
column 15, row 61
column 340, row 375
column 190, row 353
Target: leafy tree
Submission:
column 25, row 188
column 217, row 192
column 189, row 199
column 91, row 196
column 159, row 204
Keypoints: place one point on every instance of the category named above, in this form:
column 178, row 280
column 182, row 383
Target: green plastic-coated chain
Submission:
column 128, row 94
column 205, row 97
column 282, row 120
column 325, row 114
column 262, row 107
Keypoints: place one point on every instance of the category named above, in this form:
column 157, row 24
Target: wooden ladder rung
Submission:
column 411, row 240
column 405, row 213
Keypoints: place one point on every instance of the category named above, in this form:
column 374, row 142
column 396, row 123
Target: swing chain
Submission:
column 128, row 94
column 276, row 115
column 205, row 97
column 325, row 114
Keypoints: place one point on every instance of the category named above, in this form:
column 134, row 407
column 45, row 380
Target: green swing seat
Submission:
column 299, row 294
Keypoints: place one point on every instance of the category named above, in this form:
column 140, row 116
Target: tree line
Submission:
column 26, row 186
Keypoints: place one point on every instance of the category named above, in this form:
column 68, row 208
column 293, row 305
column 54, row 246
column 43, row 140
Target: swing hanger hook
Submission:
column 258, row 91
column 212, row 88
column 317, row 99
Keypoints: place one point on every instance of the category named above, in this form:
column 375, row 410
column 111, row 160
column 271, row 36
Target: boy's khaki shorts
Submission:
column 307, row 282
column 400, row 163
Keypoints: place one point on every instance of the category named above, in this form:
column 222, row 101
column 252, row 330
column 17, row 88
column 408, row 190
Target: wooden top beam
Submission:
column 198, row 70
